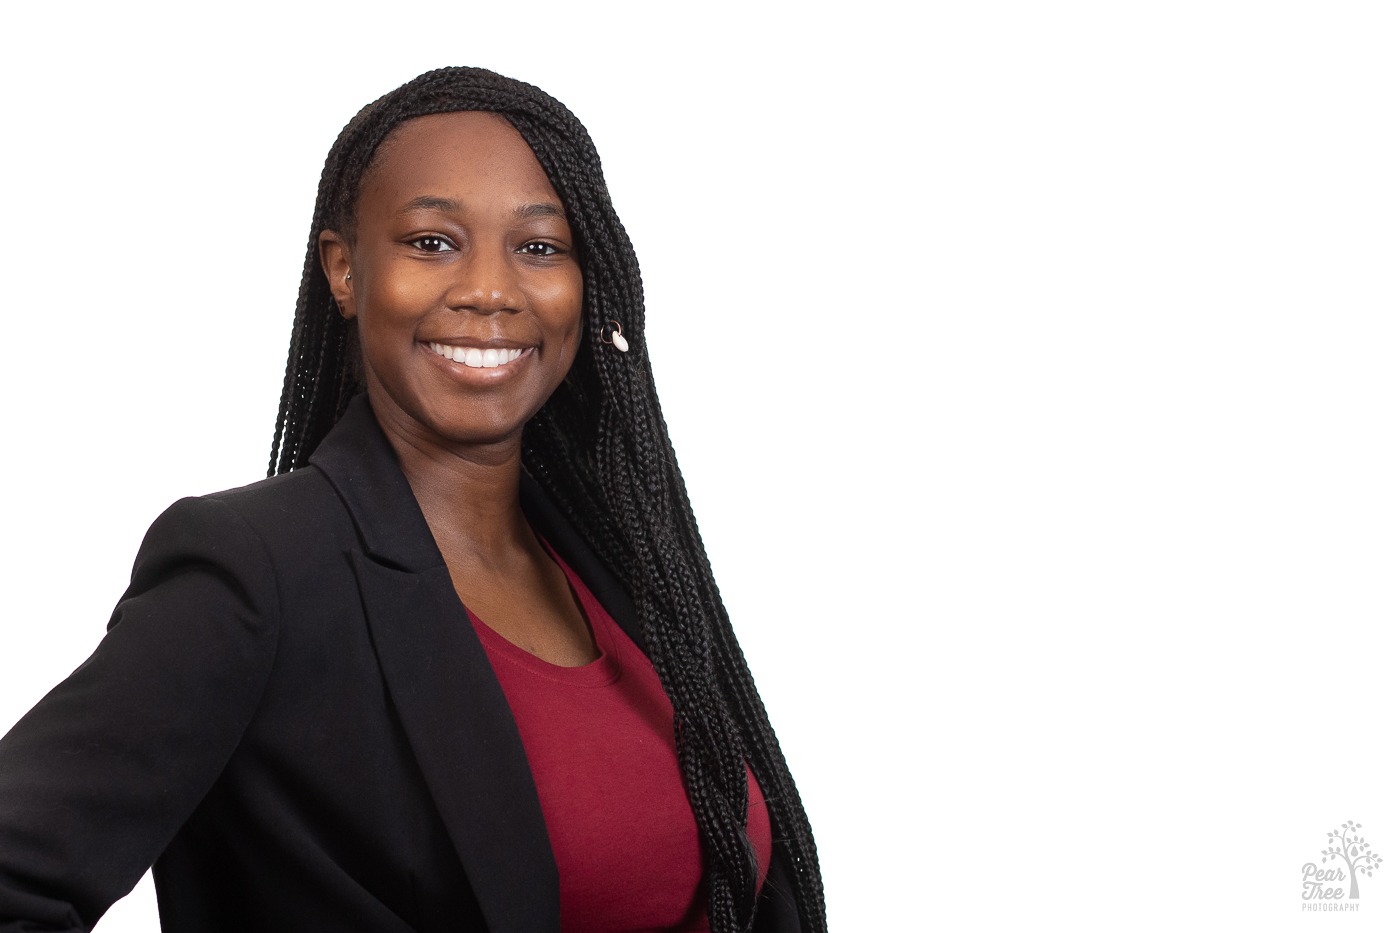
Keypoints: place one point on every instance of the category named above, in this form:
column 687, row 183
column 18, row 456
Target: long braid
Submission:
column 601, row 450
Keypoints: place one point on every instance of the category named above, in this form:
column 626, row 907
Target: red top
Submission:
column 603, row 753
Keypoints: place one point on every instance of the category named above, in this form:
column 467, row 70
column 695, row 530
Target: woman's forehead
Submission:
column 458, row 151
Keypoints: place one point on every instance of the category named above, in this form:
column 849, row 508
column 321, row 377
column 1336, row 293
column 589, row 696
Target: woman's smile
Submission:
column 474, row 365
column 477, row 358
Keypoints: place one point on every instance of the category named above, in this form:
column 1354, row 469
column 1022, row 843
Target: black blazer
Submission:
column 292, row 717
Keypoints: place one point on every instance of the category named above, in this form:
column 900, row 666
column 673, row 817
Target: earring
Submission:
column 617, row 339
column 347, row 276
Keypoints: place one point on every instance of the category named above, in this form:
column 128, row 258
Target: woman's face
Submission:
column 464, row 282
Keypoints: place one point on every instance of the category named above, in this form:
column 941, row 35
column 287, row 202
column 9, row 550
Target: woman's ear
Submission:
column 335, row 263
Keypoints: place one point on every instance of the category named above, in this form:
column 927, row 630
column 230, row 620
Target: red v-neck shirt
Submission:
column 602, row 750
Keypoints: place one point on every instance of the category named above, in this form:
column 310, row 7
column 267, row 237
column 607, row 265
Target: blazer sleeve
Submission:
column 777, row 904
column 96, row 780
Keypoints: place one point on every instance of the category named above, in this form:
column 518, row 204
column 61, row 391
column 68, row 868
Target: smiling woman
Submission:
column 461, row 662
column 463, row 281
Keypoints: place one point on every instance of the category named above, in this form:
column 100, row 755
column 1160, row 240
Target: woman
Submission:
column 400, row 684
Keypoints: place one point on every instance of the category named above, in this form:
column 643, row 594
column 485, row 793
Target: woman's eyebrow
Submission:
column 543, row 209
column 430, row 202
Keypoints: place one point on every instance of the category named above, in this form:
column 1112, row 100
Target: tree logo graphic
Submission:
column 1351, row 848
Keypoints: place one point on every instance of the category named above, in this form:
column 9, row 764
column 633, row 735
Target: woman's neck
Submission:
column 469, row 494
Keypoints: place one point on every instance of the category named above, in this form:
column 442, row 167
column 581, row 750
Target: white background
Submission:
column 1032, row 367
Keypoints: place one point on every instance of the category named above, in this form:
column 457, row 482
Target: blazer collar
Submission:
column 356, row 457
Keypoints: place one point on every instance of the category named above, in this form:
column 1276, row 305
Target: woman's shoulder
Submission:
column 290, row 518
column 277, row 545
column 283, row 502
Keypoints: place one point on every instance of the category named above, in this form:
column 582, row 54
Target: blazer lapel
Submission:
column 458, row 722
column 463, row 734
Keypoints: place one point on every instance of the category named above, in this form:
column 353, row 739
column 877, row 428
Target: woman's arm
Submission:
column 100, row 775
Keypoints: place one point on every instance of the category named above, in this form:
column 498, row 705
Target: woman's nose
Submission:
column 487, row 282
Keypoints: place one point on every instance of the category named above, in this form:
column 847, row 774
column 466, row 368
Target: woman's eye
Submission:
column 431, row 244
column 539, row 249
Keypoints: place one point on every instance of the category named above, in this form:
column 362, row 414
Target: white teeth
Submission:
column 477, row 358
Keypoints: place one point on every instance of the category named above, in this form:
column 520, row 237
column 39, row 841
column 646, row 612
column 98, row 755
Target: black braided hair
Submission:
column 600, row 449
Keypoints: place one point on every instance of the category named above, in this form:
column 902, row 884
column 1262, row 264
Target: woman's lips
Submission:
column 477, row 358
